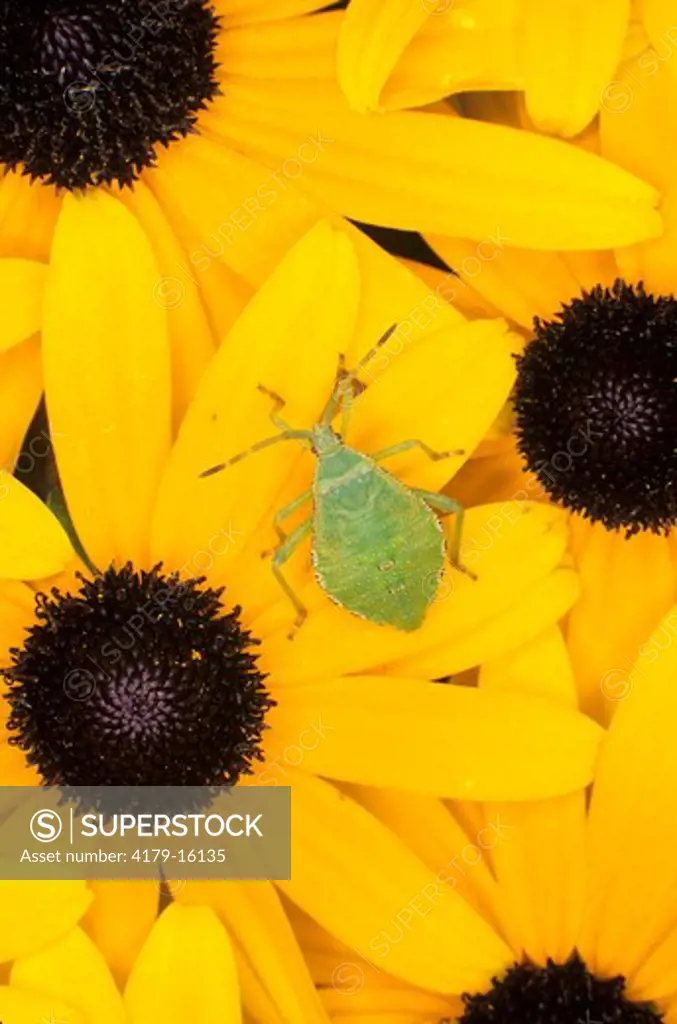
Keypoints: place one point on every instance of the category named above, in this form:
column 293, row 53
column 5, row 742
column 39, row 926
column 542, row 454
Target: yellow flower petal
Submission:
column 541, row 605
column 545, row 194
column 119, row 920
column 637, row 768
column 255, row 919
column 654, row 263
column 22, row 282
column 264, row 212
column 358, row 899
column 20, row 390
column 107, row 375
column 572, row 50
column 17, row 613
column 521, row 283
column 74, row 971
column 252, row 11
column 659, row 23
column 34, row 542
column 390, row 294
column 373, row 36
column 656, row 979
column 405, row 400
column 28, row 213
column 185, row 971
column 608, row 623
column 179, row 183
column 255, row 1000
column 190, row 335
column 498, row 474
column 386, row 1005
column 540, row 668
column 540, row 869
column 35, row 914
column 592, row 268
column 14, row 768
column 430, row 830
column 465, row 743
column 320, row 946
column 18, row 1007
column 639, row 113
column 292, row 48
column 458, row 50
column 450, row 288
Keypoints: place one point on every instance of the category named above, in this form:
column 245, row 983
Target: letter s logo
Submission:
column 46, row 826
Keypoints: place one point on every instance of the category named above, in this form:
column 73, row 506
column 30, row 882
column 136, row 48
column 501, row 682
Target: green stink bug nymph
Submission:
column 378, row 547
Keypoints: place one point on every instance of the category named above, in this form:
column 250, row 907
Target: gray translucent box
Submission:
column 145, row 832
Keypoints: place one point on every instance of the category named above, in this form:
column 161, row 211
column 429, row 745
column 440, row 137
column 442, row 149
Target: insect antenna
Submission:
column 336, row 398
column 278, row 405
column 366, row 359
column 347, row 386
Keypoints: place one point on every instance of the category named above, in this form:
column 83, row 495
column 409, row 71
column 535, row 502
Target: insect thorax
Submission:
column 325, row 441
column 343, row 471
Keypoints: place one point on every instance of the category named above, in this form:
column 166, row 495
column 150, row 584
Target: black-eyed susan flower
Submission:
column 113, row 659
column 216, row 111
column 592, row 409
column 124, row 962
column 566, row 907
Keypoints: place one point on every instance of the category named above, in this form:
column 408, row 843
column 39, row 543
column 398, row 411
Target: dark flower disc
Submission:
column 556, row 994
column 596, row 408
column 89, row 89
column 139, row 678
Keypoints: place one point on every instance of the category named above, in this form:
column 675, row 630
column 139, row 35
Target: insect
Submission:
column 378, row 548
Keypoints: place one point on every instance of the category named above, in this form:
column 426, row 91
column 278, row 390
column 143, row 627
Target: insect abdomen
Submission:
column 378, row 549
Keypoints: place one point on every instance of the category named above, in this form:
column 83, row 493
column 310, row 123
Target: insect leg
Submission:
column 405, row 446
column 284, row 513
column 346, row 389
column 448, row 507
column 280, row 556
column 345, row 394
column 278, row 404
column 286, row 435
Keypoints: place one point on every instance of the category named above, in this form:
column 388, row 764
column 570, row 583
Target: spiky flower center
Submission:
column 596, row 408
column 89, row 90
column 139, row 678
column 556, row 994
